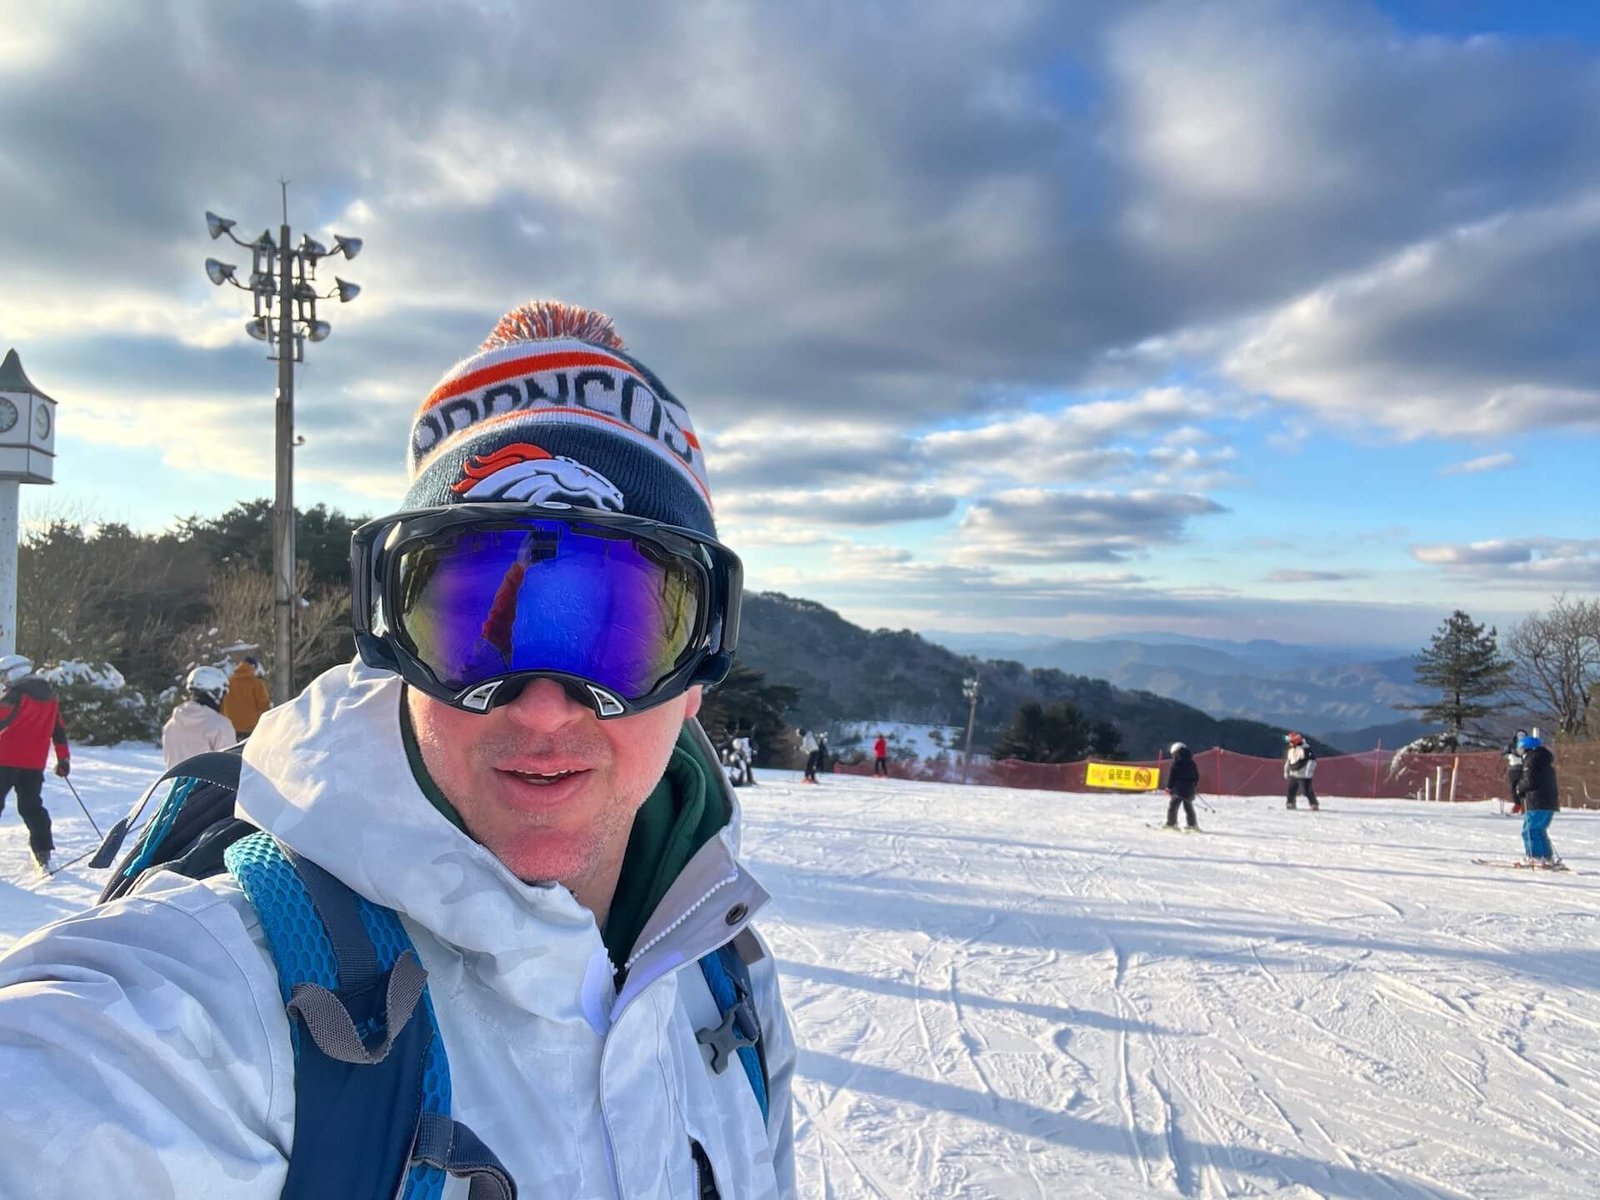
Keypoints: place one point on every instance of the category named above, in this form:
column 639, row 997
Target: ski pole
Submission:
column 83, row 806
column 1203, row 803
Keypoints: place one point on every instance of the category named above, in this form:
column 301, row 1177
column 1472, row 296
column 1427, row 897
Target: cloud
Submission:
column 860, row 504
column 1539, row 562
column 1288, row 576
column 1476, row 332
column 1478, row 466
column 766, row 454
column 1035, row 525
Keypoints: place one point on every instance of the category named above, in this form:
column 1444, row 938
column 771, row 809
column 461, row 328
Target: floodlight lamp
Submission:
column 311, row 249
column 217, row 226
column 319, row 330
column 257, row 329
column 347, row 291
column 304, row 291
column 348, row 246
column 219, row 272
column 262, row 281
column 264, row 243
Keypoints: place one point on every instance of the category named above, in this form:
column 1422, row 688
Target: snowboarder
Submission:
column 1540, row 801
column 1183, row 780
column 1514, row 768
column 822, row 752
column 247, row 697
column 197, row 725
column 1299, row 765
column 809, row 747
column 30, row 721
column 880, row 756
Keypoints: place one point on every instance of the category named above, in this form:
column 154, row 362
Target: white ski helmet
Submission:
column 208, row 682
column 1175, row 747
column 14, row 666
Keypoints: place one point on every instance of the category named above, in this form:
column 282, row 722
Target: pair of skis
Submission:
column 1517, row 864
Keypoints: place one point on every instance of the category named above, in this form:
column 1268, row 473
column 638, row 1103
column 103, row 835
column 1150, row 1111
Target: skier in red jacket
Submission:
column 30, row 720
column 880, row 756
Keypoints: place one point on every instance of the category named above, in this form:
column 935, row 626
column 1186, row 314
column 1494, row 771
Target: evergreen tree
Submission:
column 746, row 703
column 1105, row 741
column 1464, row 664
column 1057, row 734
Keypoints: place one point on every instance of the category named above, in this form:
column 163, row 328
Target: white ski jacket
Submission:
column 194, row 729
column 145, row 1050
column 1299, row 763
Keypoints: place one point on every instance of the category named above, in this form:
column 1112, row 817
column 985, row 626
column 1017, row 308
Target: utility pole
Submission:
column 283, row 566
column 283, row 275
column 969, row 689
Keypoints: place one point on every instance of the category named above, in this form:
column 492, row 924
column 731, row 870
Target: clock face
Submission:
column 41, row 422
column 8, row 415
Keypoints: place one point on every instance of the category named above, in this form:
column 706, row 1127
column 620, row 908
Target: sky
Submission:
column 1241, row 319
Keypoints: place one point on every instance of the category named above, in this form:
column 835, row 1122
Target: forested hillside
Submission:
column 844, row 672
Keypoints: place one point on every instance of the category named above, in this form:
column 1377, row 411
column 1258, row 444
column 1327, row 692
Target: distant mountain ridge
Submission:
column 1337, row 692
column 846, row 673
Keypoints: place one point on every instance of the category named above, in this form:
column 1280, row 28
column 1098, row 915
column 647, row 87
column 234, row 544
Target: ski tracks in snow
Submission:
column 1013, row 994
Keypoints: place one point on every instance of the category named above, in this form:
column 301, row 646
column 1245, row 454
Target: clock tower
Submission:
column 27, row 455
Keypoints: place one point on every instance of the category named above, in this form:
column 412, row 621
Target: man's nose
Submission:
column 544, row 705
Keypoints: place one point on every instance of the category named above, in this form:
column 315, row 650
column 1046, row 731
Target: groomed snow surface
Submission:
column 1030, row 994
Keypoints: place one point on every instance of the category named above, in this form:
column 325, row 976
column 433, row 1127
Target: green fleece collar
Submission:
column 684, row 812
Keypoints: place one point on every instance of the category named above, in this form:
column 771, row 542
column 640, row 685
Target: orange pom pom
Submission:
column 540, row 319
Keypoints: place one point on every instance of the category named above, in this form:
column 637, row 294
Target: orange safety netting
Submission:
column 1472, row 775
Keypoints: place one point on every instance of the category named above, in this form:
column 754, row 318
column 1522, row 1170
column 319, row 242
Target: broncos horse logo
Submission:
column 525, row 472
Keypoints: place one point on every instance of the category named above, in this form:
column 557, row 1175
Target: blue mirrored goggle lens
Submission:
column 478, row 603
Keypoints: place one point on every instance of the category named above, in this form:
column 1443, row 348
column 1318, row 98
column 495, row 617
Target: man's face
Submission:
column 549, row 788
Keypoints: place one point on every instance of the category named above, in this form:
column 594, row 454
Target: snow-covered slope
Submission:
column 1028, row 994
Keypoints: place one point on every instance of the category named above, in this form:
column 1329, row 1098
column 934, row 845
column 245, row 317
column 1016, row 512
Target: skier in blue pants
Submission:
column 1540, row 800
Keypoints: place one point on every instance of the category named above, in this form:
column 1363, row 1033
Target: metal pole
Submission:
column 972, row 713
column 85, row 808
column 283, row 500
column 10, row 490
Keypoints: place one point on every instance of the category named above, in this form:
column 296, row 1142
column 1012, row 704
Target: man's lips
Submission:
column 542, row 778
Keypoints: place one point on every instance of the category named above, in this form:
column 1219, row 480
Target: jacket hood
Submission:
column 191, row 714
column 243, row 670
column 34, row 687
column 327, row 775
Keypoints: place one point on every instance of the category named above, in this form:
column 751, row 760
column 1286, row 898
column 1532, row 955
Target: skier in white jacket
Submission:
column 197, row 725
column 514, row 769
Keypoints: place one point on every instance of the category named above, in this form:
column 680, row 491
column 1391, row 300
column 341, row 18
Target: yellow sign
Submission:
column 1117, row 775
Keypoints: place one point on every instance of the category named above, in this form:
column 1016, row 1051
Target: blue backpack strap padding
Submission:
column 729, row 980
column 372, row 1082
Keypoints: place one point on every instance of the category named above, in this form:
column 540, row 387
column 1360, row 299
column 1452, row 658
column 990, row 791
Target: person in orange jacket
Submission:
column 247, row 697
column 30, row 720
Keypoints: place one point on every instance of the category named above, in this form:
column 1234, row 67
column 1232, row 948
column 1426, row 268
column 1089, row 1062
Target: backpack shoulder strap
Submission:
column 728, row 976
column 191, row 827
column 372, row 1082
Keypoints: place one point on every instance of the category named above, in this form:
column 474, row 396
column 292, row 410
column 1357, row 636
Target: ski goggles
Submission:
column 469, row 602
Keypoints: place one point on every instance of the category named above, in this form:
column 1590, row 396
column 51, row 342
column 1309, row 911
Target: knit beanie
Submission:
column 551, row 408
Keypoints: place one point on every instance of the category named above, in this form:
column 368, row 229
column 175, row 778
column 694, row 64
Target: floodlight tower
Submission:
column 282, row 284
column 27, row 455
column 969, row 688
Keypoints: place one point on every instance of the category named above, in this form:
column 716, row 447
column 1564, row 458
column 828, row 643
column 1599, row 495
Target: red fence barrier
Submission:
column 1472, row 775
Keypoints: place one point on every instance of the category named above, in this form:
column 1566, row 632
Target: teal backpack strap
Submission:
column 372, row 1082
column 728, row 977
